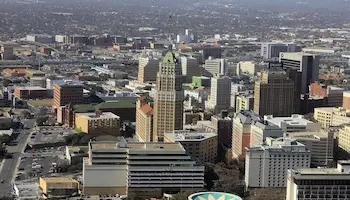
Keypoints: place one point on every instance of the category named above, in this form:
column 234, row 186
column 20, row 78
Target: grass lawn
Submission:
column 41, row 102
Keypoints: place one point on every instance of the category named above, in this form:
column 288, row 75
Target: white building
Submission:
column 320, row 143
column 294, row 123
column 38, row 82
column 235, row 88
column 148, row 68
column 319, row 183
column 267, row 165
column 148, row 169
column 272, row 50
column 215, row 66
column 40, row 38
column 248, row 68
column 220, row 96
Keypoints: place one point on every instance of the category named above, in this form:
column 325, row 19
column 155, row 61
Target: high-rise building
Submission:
column 267, row 165
column 201, row 146
column 272, row 50
column 215, row 66
column 333, row 94
column 319, row 183
column 190, row 68
column 148, row 68
column 67, row 92
column 144, row 119
column 346, row 100
column 274, row 93
column 244, row 101
column 220, row 94
column 248, row 129
column 7, row 52
column 144, row 169
column 307, row 64
column 168, row 98
column 248, row 68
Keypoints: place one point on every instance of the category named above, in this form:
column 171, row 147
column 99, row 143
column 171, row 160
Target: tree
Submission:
column 5, row 82
column 209, row 177
column 41, row 120
column 5, row 139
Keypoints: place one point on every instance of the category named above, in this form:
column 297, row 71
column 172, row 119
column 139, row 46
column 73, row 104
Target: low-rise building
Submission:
column 267, row 165
column 98, row 123
column 31, row 93
column 320, row 143
column 319, row 183
column 331, row 116
column 58, row 187
column 75, row 154
column 145, row 169
column 15, row 72
column 294, row 123
column 38, row 82
column 201, row 146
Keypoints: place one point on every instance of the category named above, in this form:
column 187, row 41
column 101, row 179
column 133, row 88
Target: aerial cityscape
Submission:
column 175, row 100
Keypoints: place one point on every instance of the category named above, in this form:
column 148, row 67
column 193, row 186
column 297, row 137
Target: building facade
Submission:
column 145, row 169
column 148, row 69
column 67, row 92
column 244, row 102
column 55, row 187
column 168, row 100
column 331, row 116
column 98, row 123
column 267, row 165
column 319, row 183
column 144, row 119
column 220, row 94
column 307, row 64
column 190, row 68
column 215, row 66
column 294, row 123
column 274, row 93
column 201, row 146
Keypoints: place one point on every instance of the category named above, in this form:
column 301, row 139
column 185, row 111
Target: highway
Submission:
column 10, row 165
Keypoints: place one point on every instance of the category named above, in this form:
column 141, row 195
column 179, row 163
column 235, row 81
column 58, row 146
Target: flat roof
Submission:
column 179, row 136
column 58, row 179
column 103, row 115
column 149, row 146
column 308, row 135
column 291, row 121
column 31, row 88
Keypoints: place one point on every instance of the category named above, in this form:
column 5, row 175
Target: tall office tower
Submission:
column 168, row 99
column 274, row 93
column 146, row 169
column 295, row 76
column 190, row 68
column 7, row 52
column 215, row 66
column 144, row 119
column 67, row 92
column 307, row 64
column 319, row 183
column 220, row 94
column 272, row 50
column 148, row 68
column 267, row 164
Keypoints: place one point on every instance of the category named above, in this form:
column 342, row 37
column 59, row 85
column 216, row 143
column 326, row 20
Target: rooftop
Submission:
column 310, row 135
column 101, row 115
column 58, row 179
column 179, row 136
column 68, row 83
column 31, row 88
column 291, row 121
column 213, row 196
column 147, row 109
column 149, row 146
column 81, row 108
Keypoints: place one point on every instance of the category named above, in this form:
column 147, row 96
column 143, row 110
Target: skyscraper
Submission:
column 272, row 50
column 168, row 99
column 220, row 93
column 148, row 68
column 190, row 68
column 274, row 93
column 307, row 64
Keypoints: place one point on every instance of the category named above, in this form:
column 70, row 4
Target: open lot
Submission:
column 41, row 102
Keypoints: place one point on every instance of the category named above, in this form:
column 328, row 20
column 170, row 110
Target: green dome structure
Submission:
column 213, row 196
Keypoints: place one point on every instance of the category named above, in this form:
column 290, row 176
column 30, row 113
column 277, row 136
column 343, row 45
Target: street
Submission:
column 10, row 165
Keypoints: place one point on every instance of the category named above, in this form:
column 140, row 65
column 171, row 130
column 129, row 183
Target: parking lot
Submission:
column 36, row 163
column 49, row 137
